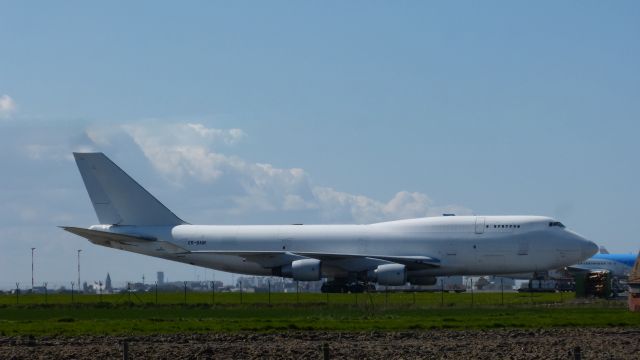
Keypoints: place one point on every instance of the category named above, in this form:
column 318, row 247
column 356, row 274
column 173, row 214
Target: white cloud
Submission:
column 98, row 136
column 361, row 209
column 54, row 152
column 7, row 106
column 187, row 152
column 229, row 136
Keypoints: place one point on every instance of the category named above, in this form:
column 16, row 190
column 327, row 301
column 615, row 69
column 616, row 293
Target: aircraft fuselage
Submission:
column 463, row 245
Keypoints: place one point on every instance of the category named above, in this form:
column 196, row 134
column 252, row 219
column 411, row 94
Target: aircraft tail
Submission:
column 117, row 198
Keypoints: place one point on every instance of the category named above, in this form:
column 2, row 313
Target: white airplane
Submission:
column 389, row 253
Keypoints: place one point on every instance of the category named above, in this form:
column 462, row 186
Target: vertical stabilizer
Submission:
column 117, row 198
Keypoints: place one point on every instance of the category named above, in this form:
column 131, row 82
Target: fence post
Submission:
column 298, row 292
column 502, row 290
column 441, row 292
column 72, row 285
column 156, row 292
column 577, row 353
column 45, row 294
column 471, row 292
column 213, row 293
column 269, row 287
column 240, row 291
column 325, row 351
column 125, row 350
column 129, row 292
column 386, row 295
column 17, row 293
column 185, row 292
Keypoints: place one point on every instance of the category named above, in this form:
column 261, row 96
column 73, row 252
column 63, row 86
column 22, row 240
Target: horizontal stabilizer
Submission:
column 110, row 239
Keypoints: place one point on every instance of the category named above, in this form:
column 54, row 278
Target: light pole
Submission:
column 32, row 249
column 79, row 270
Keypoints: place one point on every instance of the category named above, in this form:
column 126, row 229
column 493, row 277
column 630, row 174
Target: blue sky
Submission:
column 285, row 112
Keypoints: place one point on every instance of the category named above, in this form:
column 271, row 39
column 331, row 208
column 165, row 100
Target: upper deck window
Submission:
column 512, row 226
column 556, row 223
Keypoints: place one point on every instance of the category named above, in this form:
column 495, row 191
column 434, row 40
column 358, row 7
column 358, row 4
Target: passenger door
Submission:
column 480, row 223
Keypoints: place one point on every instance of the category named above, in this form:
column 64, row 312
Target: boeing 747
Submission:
column 388, row 253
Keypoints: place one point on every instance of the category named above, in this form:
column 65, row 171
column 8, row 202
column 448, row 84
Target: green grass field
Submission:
column 344, row 312
column 392, row 298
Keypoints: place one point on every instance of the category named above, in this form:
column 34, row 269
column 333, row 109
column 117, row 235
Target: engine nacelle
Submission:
column 422, row 280
column 391, row 274
column 303, row 270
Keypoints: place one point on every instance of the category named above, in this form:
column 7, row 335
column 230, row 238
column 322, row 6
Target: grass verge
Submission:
column 396, row 312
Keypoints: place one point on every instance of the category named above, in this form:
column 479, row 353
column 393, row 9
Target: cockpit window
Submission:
column 556, row 223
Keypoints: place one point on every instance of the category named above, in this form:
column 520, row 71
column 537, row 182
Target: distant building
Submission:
column 218, row 284
column 39, row 289
column 263, row 284
column 107, row 284
column 160, row 277
column 97, row 287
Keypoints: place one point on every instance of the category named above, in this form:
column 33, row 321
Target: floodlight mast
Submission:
column 32, row 281
column 79, row 250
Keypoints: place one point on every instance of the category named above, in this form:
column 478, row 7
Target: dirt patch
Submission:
column 611, row 343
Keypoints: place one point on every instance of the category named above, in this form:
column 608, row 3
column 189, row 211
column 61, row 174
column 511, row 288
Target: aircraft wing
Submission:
column 411, row 262
column 348, row 262
column 266, row 259
column 115, row 240
column 577, row 269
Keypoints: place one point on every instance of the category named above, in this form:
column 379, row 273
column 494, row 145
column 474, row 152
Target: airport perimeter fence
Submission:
column 387, row 298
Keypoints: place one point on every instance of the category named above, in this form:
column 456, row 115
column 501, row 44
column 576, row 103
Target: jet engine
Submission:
column 422, row 280
column 390, row 274
column 303, row 270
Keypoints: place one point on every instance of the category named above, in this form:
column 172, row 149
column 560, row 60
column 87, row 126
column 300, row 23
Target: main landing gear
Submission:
column 346, row 286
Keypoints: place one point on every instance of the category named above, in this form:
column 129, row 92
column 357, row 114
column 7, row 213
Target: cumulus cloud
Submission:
column 183, row 150
column 98, row 136
column 7, row 106
column 361, row 209
column 188, row 152
column 229, row 136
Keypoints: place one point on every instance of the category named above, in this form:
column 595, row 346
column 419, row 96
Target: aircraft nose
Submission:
column 589, row 248
column 586, row 247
